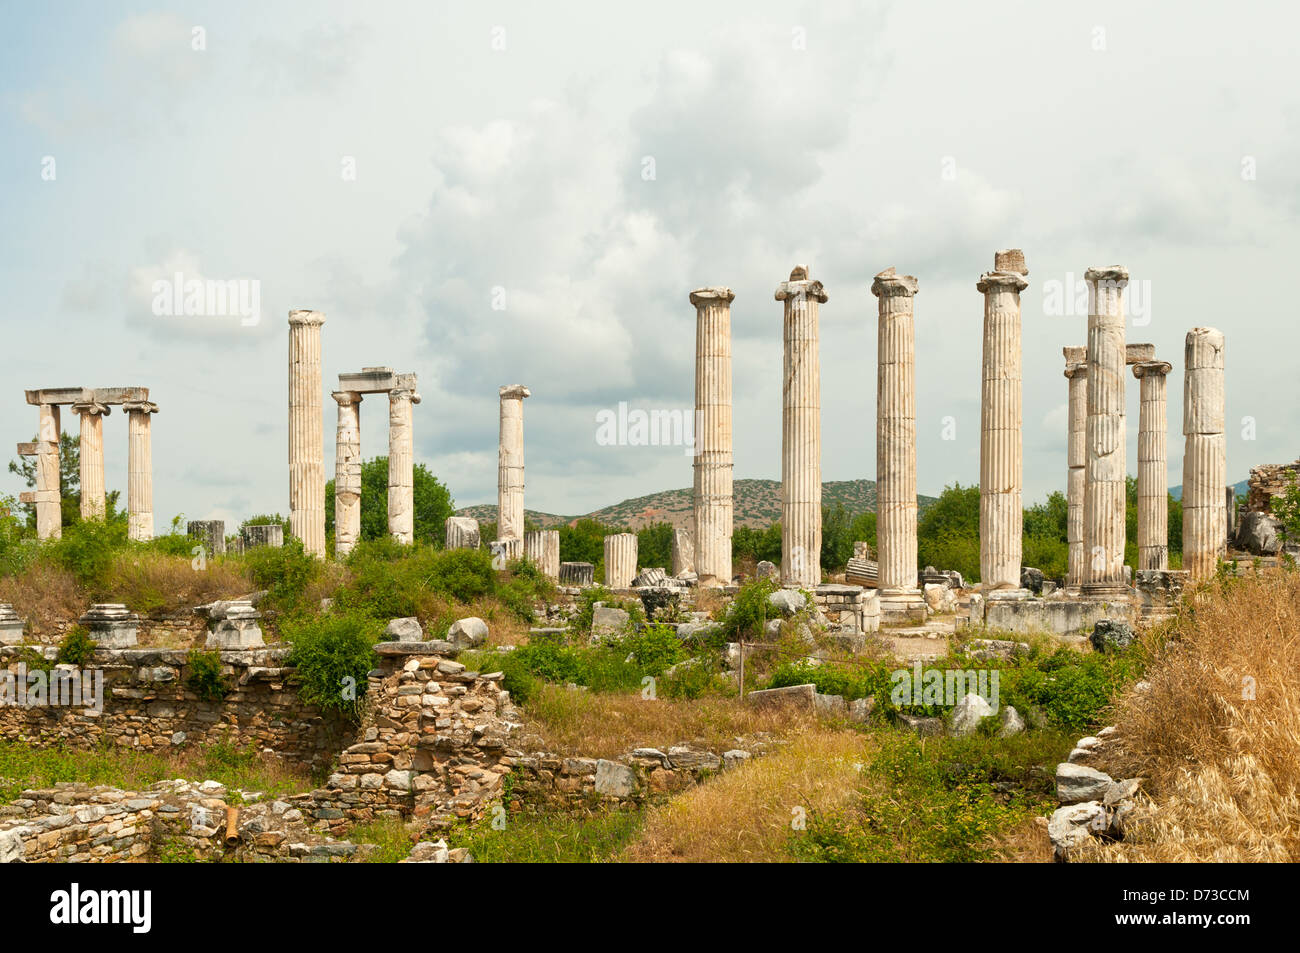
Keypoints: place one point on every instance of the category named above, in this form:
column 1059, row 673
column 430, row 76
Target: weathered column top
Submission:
column 1076, row 361
column 140, row 407
column 1139, row 353
column 1204, row 348
column 1009, row 271
column 800, row 285
column 889, row 283
column 514, row 392
column 306, row 316
column 1109, row 273
column 404, row 388
column 92, row 407
column 346, row 397
column 706, row 296
column 1143, row 369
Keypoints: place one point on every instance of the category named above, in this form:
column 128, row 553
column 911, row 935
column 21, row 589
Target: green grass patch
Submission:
column 551, row 838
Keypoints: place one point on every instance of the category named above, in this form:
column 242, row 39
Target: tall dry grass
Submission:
column 1217, row 733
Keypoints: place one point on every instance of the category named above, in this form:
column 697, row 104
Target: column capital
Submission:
column 1114, row 274
column 346, row 397
column 889, row 283
column 1151, row 369
column 1076, row 370
column 1001, row 281
column 702, row 297
column 92, row 407
column 139, row 407
column 514, row 392
column 801, row 286
column 305, row 316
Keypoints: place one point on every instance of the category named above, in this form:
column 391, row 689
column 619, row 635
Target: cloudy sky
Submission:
column 501, row 193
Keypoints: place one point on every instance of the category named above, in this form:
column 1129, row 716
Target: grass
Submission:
column 390, row 835
column 551, row 838
column 1216, row 736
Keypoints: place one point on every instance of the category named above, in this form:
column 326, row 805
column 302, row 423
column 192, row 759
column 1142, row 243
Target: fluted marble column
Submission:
column 92, row 458
column 713, row 454
column 49, row 507
column 510, row 463
column 896, row 441
column 620, row 560
column 1205, row 515
column 401, row 459
column 306, row 432
column 1001, row 420
column 139, row 468
column 1076, row 371
column 801, row 442
column 1153, row 465
column 1105, row 488
column 542, row 547
column 347, row 473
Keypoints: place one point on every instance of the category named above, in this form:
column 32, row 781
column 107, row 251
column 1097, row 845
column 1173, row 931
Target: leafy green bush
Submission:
column 87, row 549
column 76, row 648
column 332, row 655
column 204, row 676
column 654, row 648
column 749, row 611
column 284, row 572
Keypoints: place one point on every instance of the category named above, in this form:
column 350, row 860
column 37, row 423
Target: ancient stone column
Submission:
column 801, row 442
column 620, row 560
column 462, row 532
column 1205, row 455
column 1104, row 486
column 139, row 468
column 1153, row 465
column 306, row 434
column 92, row 457
column 683, row 552
column 542, row 547
column 49, row 508
column 713, row 460
column 401, row 460
column 347, row 473
column 896, row 442
column 510, row 463
column 1076, row 371
column 1001, row 420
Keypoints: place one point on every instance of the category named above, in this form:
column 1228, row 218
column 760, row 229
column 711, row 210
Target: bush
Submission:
column 204, row 676
column 749, row 611
column 284, row 572
column 76, row 648
column 333, row 655
column 87, row 549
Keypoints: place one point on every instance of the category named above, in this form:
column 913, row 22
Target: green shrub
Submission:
column 749, row 611
column 87, row 549
column 76, row 648
column 204, row 676
column 654, row 648
column 332, row 655
column 284, row 572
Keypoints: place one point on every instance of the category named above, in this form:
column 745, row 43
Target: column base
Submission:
column 1101, row 591
column 902, row 605
column 1007, row 595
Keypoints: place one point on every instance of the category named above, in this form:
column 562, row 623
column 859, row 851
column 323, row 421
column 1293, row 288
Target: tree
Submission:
column 654, row 546
column 432, row 501
column 69, row 483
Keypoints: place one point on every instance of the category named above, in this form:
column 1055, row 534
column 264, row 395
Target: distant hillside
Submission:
column 1239, row 488
column 757, row 504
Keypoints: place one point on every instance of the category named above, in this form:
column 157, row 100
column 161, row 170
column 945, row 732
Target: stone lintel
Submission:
column 889, row 282
column 1111, row 273
column 369, row 380
column 705, row 296
column 1151, row 368
column 514, row 392
column 80, row 395
column 36, row 448
column 800, row 285
column 1139, row 353
column 307, row 316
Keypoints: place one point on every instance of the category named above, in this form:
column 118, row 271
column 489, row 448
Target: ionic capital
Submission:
column 889, row 283
column 1001, row 281
column 1151, row 369
column 92, row 407
column 306, row 316
column 1076, row 370
column 801, row 286
column 514, row 392
column 1110, row 274
column 702, row 297
column 346, row 398
column 139, row 407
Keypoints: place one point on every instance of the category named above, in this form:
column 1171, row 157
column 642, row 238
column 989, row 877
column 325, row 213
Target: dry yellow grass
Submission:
column 153, row 582
column 43, row 594
column 1223, row 767
column 745, row 815
column 605, row 725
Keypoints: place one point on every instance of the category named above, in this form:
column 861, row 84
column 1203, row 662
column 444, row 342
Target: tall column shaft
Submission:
column 49, row 508
column 713, row 453
column 347, row 473
column 620, row 560
column 1076, row 371
column 92, row 458
column 306, row 432
column 510, row 463
column 1153, row 465
column 1001, row 425
column 801, row 477
column 1205, row 515
column 1105, row 488
column 896, row 432
column 139, row 468
column 401, row 460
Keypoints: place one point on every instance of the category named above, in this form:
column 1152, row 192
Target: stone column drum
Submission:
column 92, row 458
column 347, row 473
column 542, row 547
column 1001, row 425
column 713, row 452
column 306, row 434
column 896, row 441
column 139, row 468
column 510, row 463
column 1105, row 489
column 462, row 532
column 620, row 560
column 49, row 508
column 401, row 460
column 801, row 478
column 683, row 552
column 1076, row 371
column 1153, row 465
column 1205, row 515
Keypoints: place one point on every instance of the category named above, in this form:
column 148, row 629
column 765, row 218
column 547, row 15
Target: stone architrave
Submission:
column 896, row 443
column 1105, row 476
column 713, row 448
column 683, row 552
column 462, row 533
column 1076, row 371
column 1001, row 426
column 401, row 459
column 139, row 468
column 801, row 478
column 1205, row 516
column 542, row 547
column 620, row 560
column 1153, row 465
column 510, row 463
column 306, row 438
column 347, row 473
column 92, row 414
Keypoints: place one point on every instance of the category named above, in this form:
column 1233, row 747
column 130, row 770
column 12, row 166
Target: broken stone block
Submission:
column 1076, row 783
column 615, row 779
column 969, row 712
column 1109, row 634
column 462, row 532
column 211, row 534
column 235, row 627
column 577, row 574
column 802, row 698
column 111, row 625
column 262, row 534
column 406, row 629
column 607, row 621
column 11, row 625
column 468, row 633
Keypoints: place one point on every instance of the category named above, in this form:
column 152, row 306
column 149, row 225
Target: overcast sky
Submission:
column 490, row 194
